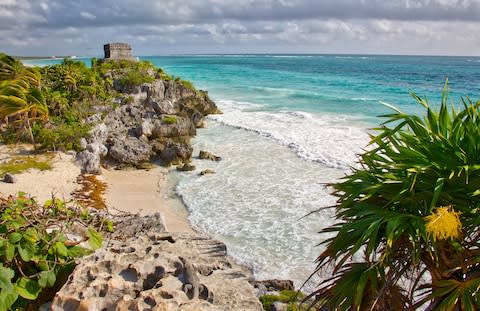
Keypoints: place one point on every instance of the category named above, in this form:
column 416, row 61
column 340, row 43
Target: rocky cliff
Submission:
column 142, row 267
column 152, row 121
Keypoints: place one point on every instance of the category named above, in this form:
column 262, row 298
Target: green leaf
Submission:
column 14, row 237
column 27, row 288
column 77, row 251
column 47, row 279
column 437, row 191
column 25, row 251
column 9, row 251
column 6, row 274
column 60, row 249
column 95, row 239
column 31, row 235
column 7, row 299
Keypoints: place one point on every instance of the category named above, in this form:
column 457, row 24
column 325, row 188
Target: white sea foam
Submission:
column 261, row 190
column 256, row 200
column 332, row 140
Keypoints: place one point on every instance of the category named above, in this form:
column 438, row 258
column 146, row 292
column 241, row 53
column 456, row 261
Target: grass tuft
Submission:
column 20, row 164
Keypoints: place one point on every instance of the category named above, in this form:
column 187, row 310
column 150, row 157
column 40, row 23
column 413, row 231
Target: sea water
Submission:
column 292, row 124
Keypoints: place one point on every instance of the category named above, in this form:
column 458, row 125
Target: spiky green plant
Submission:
column 408, row 219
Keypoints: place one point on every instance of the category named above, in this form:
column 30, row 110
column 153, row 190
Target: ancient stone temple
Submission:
column 118, row 51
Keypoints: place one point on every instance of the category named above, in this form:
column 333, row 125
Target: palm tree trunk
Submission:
column 30, row 132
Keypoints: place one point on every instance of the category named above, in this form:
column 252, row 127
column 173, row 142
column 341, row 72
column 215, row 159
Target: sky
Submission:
column 164, row 27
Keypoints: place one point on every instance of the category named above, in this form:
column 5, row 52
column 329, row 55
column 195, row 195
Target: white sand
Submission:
column 146, row 192
column 134, row 191
column 59, row 181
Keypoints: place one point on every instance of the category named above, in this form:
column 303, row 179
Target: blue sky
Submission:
column 159, row 27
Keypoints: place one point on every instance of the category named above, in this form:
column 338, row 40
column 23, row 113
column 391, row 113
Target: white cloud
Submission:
column 87, row 15
column 311, row 26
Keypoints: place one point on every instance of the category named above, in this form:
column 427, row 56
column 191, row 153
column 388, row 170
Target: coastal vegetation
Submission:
column 407, row 232
column 289, row 297
column 49, row 106
column 38, row 250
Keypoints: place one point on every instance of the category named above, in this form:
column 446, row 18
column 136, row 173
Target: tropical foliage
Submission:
column 21, row 99
column 408, row 225
column 37, row 250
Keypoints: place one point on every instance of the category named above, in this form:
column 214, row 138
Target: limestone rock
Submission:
column 205, row 155
column 206, row 172
column 130, row 150
column 9, row 178
column 138, row 128
column 187, row 167
column 181, row 127
column 163, row 107
column 275, row 285
column 152, row 271
column 279, row 306
column 155, row 91
column 176, row 153
column 97, row 148
column 89, row 162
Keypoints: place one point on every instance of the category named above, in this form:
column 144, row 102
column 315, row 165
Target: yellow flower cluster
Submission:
column 444, row 223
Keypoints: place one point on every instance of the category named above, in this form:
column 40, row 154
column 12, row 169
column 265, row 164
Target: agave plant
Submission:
column 408, row 233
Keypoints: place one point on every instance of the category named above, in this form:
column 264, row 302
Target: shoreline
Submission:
column 134, row 191
column 148, row 192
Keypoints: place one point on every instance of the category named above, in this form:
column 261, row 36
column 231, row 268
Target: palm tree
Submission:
column 408, row 220
column 20, row 101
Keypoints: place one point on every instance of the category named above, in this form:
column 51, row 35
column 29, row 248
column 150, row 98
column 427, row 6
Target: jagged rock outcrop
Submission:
column 158, row 120
column 187, row 167
column 156, row 270
column 206, row 155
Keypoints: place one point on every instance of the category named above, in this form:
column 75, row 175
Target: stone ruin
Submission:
column 114, row 51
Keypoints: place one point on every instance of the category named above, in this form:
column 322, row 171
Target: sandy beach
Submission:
column 145, row 192
column 133, row 191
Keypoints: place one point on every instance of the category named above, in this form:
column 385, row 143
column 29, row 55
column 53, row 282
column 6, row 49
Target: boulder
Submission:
column 97, row 148
column 187, row 167
column 181, row 127
column 9, row 178
column 205, row 155
column 89, row 162
column 279, row 306
column 275, row 285
column 206, row 172
column 175, row 153
column 157, row 270
column 130, row 150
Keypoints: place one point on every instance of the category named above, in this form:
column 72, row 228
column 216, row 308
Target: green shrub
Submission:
column 35, row 252
column 286, row 296
column 187, row 84
column 409, row 212
column 169, row 119
column 64, row 136
column 133, row 78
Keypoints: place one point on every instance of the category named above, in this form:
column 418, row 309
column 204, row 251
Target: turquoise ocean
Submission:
column 291, row 124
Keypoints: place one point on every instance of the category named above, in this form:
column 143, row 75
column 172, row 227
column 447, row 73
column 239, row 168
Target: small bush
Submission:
column 36, row 254
column 64, row 136
column 286, row 296
column 187, row 84
column 134, row 78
